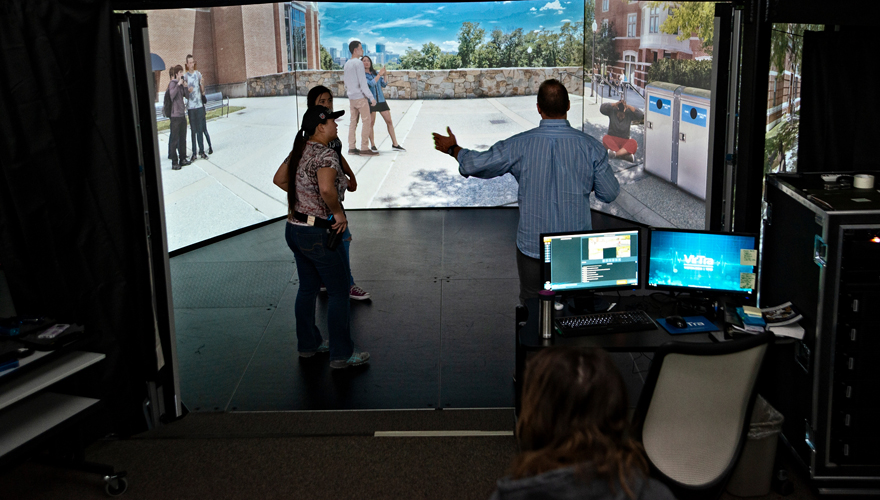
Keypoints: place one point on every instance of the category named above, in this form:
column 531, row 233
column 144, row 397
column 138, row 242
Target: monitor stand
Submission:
column 589, row 303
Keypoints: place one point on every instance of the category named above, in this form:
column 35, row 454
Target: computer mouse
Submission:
column 677, row 321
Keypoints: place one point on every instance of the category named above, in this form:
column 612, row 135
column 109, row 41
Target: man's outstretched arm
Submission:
column 482, row 164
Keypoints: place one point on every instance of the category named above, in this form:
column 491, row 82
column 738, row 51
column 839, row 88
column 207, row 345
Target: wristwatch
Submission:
column 451, row 150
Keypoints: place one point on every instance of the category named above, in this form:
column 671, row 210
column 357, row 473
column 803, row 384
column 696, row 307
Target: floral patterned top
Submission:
column 308, row 194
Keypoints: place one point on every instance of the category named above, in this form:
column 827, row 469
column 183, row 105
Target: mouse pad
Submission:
column 696, row 324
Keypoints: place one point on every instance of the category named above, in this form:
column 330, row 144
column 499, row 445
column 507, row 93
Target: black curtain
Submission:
column 72, row 229
column 838, row 119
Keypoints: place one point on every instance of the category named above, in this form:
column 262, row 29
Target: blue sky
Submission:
column 404, row 25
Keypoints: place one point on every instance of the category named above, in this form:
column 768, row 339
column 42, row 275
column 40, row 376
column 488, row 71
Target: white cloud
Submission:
column 441, row 8
column 432, row 12
column 505, row 3
column 565, row 21
column 408, row 22
column 533, row 9
column 400, row 46
column 450, row 45
column 554, row 5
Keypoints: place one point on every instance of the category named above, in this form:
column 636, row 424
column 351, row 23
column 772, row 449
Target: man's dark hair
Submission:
column 353, row 45
column 553, row 98
column 621, row 107
column 175, row 70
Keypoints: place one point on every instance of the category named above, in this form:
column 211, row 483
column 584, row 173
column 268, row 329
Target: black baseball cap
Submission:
column 317, row 115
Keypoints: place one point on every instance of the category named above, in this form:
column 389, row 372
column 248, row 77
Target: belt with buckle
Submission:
column 312, row 220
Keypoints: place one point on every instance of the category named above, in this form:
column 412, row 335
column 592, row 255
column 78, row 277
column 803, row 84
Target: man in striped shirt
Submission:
column 556, row 166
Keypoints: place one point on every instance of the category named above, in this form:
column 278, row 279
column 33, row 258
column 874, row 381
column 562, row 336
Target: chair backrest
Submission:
column 693, row 414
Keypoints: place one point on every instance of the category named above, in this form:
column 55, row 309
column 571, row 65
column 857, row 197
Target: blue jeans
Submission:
column 346, row 240
column 316, row 264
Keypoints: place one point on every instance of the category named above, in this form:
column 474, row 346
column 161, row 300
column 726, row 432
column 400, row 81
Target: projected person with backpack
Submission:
column 174, row 108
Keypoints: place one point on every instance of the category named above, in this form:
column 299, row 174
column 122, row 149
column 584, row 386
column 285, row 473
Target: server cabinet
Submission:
column 821, row 250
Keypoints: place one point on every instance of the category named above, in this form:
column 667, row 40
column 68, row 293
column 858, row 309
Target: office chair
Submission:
column 693, row 414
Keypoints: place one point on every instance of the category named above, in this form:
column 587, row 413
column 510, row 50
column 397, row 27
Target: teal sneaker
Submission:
column 324, row 347
column 358, row 358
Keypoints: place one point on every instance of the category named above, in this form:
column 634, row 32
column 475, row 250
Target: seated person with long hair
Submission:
column 572, row 433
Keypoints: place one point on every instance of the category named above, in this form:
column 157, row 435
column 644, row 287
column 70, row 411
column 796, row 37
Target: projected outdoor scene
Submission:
column 474, row 67
column 783, row 96
column 649, row 103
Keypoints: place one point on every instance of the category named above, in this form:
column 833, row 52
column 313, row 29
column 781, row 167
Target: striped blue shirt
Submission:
column 556, row 167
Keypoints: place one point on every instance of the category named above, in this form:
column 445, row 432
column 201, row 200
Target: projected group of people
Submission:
column 364, row 85
column 573, row 426
column 185, row 96
column 556, row 166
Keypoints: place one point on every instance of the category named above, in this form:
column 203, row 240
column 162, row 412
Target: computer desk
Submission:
column 528, row 337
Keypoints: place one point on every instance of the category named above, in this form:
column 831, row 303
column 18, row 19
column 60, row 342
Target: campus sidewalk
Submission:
column 233, row 188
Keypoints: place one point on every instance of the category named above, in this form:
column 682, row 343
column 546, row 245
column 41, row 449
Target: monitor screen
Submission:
column 682, row 260
column 589, row 261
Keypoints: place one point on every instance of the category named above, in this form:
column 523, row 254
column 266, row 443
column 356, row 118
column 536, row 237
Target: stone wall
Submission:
column 436, row 84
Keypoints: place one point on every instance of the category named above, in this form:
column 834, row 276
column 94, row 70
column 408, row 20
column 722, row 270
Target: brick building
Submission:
column 231, row 44
column 638, row 39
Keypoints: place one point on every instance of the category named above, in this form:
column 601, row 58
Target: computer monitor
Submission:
column 702, row 262
column 582, row 262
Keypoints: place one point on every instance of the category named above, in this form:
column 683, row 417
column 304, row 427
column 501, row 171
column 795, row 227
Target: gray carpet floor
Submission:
column 303, row 455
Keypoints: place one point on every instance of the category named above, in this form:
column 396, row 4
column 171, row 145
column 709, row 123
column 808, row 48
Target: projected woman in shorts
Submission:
column 376, row 81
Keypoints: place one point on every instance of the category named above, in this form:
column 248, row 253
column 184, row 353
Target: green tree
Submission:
column 427, row 58
column 689, row 18
column 605, row 52
column 687, row 72
column 470, row 36
column 431, row 55
column 448, row 61
column 488, row 54
column 571, row 51
column 412, row 59
column 327, row 60
column 512, row 49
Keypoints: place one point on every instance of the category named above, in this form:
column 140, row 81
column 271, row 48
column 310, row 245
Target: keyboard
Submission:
column 604, row 322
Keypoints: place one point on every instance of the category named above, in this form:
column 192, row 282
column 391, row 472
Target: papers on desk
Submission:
column 794, row 331
column 782, row 320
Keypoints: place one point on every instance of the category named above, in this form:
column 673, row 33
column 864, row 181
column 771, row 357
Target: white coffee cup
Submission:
column 863, row 181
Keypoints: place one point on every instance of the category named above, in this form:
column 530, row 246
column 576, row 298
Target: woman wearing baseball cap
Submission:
column 315, row 223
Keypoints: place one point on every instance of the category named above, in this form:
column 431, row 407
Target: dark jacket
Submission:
column 177, row 91
column 564, row 484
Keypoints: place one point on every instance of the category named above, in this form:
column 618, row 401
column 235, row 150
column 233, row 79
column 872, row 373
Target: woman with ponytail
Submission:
column 320, row 95
column 572, row 432
column 315, row 182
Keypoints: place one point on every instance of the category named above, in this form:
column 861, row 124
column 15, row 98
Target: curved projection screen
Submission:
column 473, row 67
